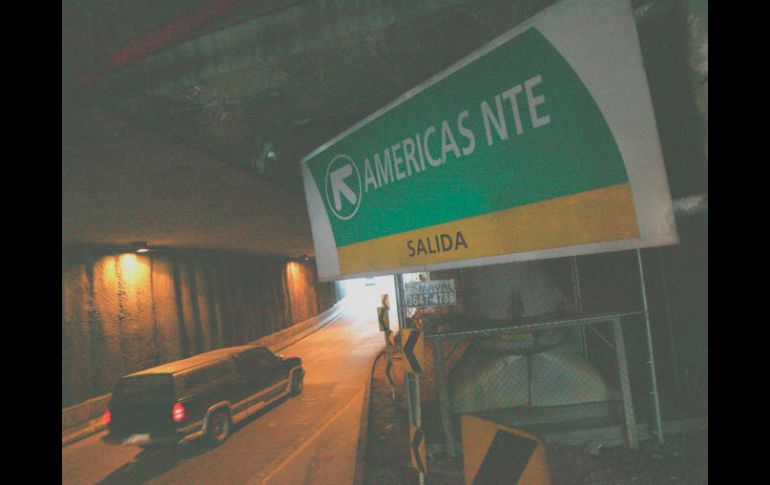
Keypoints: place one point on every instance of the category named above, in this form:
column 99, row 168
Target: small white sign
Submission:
column 430, row 293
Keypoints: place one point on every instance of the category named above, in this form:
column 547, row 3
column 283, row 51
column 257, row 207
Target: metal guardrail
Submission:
column 528, row 325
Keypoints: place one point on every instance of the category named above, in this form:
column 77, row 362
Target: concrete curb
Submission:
column 84, row 431
column 289, row 336
column 97, row 406
column 363, row 430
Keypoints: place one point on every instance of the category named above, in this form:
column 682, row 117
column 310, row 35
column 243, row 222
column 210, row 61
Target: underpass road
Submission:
column 289, row 442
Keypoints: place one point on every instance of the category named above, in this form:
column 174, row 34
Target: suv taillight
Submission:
column 177, row 412
column 107, row 417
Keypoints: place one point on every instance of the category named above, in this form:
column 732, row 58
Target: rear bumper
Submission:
column 148, row 439
column 139, row 439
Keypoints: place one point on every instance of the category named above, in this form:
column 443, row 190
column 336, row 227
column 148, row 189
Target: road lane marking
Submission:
column 309, row 441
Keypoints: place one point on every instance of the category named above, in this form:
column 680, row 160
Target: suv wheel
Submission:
column 296, row 383
column 218, row 427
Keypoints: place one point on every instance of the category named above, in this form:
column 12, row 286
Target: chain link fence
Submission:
column 535, row 374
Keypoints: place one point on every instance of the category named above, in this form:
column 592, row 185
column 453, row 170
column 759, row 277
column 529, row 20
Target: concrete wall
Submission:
column 125, row 312
column 85, row 418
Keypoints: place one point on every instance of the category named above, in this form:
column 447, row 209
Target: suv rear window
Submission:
column 158, row 386
column 205, row 376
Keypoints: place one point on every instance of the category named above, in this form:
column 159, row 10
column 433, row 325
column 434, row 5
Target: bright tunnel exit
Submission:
column 364, row 295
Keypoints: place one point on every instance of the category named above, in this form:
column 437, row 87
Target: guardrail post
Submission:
column 412, row 381
column 625, row 385
column 445, row 407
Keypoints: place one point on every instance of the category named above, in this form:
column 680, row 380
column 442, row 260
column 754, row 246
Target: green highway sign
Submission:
column 541, row 144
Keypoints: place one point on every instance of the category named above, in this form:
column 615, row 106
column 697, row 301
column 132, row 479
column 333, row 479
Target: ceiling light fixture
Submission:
column 267, row 154
column 140, row 247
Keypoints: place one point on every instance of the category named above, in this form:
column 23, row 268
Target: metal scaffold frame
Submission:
column 615, row 319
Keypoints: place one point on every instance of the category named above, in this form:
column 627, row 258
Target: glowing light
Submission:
column 364, row 295
column 178, row 412
column 133, row 271
column 129, row 266
column 107, row 417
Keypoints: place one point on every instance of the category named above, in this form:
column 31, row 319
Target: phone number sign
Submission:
column 430, row 293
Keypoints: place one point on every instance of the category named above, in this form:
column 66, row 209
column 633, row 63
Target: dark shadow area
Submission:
column 152, row 462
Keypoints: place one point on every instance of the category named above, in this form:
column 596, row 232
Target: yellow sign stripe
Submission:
column 599, row 215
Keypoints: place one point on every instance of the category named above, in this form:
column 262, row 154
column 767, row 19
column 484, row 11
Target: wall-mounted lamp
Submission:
column 140, row 247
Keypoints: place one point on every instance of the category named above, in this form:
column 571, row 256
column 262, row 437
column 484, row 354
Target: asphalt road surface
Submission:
column 310, row 438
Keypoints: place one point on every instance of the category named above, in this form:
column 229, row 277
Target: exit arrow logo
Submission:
column 343, row 187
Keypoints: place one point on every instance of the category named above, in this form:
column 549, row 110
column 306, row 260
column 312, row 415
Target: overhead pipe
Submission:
column 179, row 29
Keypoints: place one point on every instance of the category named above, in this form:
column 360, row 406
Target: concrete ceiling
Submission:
column 169, row 108
column 140, row 186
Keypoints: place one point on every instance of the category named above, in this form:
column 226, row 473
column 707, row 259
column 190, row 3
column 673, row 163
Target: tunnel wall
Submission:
column 122, row 313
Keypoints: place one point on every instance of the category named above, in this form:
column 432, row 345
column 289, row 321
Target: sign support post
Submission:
column 411, row 380
column 651, row 362
column 578, row 299
column 625, row 385
column 445, row 408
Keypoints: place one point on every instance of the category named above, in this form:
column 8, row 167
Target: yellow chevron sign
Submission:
column 417, row 449
column 494, row 453
column 411, row 342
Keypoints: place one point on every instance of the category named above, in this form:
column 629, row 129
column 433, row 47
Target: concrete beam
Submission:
column 302, row 28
